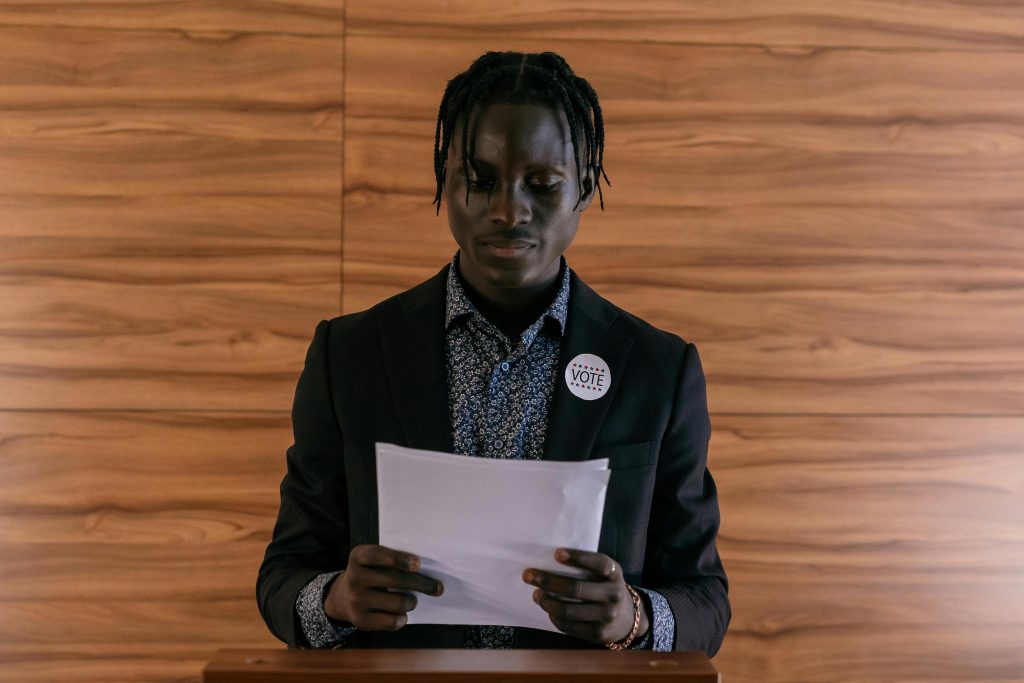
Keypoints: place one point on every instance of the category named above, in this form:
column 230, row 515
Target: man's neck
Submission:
column 516, row 312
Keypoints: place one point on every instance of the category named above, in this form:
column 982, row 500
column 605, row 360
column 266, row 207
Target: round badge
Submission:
column 588, row 376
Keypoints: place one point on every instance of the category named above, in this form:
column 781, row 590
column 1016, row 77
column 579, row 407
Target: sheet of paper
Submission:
column 477, row 523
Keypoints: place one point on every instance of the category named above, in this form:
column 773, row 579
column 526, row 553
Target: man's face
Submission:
column 523, row 187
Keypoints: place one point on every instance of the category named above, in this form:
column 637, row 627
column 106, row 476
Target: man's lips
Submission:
column 507, row 244
column 507, row 249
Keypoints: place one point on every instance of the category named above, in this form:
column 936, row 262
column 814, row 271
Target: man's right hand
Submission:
column 361, row 596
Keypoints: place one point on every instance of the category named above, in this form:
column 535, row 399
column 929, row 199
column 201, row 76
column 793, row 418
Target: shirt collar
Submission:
column 458, row 304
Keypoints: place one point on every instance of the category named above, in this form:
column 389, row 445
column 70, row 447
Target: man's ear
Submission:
column 589, row 190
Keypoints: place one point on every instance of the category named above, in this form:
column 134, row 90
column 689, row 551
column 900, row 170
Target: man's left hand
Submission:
column 597, row 608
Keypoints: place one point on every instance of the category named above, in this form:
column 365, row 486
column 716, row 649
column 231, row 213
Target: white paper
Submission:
column 477, row 523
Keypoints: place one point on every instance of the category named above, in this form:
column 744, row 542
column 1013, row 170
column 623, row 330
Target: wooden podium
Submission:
column 457, row 666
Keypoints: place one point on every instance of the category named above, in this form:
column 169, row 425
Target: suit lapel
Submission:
column 574, row 423
column 416, row 367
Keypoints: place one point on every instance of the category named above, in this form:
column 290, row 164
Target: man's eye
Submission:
column 480, row 183
column 545, row 187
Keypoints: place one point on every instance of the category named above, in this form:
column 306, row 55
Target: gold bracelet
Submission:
column 623, row 644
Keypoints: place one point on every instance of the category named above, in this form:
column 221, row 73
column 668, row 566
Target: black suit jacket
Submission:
column 380, row 375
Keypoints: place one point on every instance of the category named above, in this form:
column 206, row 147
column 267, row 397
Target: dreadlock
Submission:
column 520, row 78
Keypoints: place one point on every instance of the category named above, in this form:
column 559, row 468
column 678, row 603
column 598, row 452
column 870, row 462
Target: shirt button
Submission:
column 499, row 444
column 504, row 366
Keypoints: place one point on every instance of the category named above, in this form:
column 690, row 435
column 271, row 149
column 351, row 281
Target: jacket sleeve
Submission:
column 311, row 535
column 681, row 561
column 319, row 630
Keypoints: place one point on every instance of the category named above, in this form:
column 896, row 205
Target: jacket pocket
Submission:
column 627, row 455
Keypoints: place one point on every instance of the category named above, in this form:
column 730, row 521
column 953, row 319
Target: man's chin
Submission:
column 505, row 276
column 507, row 280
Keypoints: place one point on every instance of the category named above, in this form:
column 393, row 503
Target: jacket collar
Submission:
column 458, row 305
column 413, row 342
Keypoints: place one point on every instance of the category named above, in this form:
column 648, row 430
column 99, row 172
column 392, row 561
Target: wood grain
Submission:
column 150, row 302
column 676, row 84
column 155, row 478
column 774, row 334
column 799, row 192
column 193, row 187
column 100, row 148
column 871, row 548
column 749, row 233
column 131, row 540
column 882, row 534
column 729, row 128
column 83, row 67
column 951, row 24
column 860, row 493
column 207, row 18
column 373, row 665
column 170, row 224
column 109, row 662
column 825, row 198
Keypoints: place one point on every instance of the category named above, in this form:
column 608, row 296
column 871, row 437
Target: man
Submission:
column 486, row 359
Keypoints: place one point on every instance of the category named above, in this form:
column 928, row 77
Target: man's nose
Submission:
column 508, row 205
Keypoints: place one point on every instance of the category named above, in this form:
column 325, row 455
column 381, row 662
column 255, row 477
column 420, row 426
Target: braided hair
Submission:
column 521, row 78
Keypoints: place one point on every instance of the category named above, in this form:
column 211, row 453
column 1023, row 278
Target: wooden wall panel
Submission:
column 831, row 293
column 819, row 98
column 226, row 19
column 131, row 540
column 162, row 301
column 827, row 201
column 123, row 641
column 169, row 214
column 872, row 548
column 170, row 234
column 779, row 23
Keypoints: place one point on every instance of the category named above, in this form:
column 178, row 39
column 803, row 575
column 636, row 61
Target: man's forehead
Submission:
column 529, row 133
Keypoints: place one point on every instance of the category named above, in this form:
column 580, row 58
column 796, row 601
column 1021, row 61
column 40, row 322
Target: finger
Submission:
column 385, row 601
column 598, row 563
column 383, row 621
column 565, row 612
column 571, row 587
column 397, row 580
column 369, row 555
column 587, row 630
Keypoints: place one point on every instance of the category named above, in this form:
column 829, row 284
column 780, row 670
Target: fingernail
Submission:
column 413, row 564
column 561, row 555
column 528, row 576
column 536, row 596
column 439, row 589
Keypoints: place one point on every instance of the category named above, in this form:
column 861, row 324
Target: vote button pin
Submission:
column 588, row 376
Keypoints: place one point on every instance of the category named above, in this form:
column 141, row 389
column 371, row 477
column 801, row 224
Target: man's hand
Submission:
column 597, row 608
column 361, row 596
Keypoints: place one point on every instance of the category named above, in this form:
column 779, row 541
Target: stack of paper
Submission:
column 477, row 523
